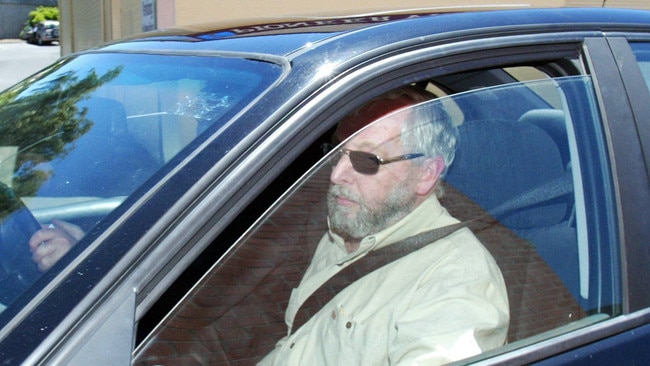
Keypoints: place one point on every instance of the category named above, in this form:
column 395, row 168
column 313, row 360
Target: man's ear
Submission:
column 430, row 171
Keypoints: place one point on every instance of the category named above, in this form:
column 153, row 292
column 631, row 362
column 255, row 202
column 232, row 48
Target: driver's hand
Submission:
column 52, row 242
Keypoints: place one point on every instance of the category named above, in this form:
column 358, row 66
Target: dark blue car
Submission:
column 192, row 165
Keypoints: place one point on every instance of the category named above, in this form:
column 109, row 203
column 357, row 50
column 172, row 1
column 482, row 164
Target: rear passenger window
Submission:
column 527, row 180
column 642, row 53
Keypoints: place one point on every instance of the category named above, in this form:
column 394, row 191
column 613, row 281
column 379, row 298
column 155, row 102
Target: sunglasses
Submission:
column 368, row 164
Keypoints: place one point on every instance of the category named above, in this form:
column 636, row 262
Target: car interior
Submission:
column 526, row 217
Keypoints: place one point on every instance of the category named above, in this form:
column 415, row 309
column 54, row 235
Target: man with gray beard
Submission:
column 437, row 303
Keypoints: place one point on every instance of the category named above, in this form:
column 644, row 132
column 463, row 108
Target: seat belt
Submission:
column 554, row 188
column 370, row 262
column 377, row 258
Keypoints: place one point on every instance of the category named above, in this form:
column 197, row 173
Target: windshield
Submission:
column 83, row 135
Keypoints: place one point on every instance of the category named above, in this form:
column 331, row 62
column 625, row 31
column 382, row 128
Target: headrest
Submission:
column 553, row 122
column 498, row 160
column 377, row 108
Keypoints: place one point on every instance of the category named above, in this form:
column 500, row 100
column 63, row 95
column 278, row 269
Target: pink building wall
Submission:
column 166, row 13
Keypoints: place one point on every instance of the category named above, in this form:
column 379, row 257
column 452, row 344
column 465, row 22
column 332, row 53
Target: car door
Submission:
column 538, row 105
column 621, row 340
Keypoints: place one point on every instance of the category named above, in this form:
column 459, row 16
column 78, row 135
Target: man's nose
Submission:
column 342, row 171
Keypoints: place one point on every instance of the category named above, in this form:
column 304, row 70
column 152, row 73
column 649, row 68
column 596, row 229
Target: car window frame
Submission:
column 316, row 117
column 370, row 88
column 528, row 340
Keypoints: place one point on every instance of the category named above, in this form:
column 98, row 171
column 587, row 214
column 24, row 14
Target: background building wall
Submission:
column 14, row 13
column 635, row 4
column 84, row 23
column 89, row 23
column 221, row 10
column 166, row 12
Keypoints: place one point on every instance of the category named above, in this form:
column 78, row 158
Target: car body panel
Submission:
column 45, row 32
column 142, row 246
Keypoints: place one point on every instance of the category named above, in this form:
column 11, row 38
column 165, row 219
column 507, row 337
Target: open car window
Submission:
column 93, row 129
column 523, row 180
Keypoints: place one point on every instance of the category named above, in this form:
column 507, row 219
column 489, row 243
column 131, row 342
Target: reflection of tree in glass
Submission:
column 8, row 201
column 44, row 122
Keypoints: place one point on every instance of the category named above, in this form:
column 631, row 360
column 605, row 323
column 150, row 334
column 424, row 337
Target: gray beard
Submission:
column 355, row 226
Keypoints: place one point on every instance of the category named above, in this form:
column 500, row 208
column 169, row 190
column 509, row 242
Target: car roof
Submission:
column 293, row 36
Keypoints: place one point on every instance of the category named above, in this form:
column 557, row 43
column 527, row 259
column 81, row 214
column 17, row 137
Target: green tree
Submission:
column 44, row 120
column 42, row 13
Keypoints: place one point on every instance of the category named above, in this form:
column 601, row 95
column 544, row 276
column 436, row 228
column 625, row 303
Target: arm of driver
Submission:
column 52, row 242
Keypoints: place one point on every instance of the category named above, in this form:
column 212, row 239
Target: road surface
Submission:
column 19, row 59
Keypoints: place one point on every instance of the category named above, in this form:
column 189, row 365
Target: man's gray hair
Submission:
column 430, row 130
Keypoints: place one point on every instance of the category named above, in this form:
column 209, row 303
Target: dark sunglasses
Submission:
column 367, row 163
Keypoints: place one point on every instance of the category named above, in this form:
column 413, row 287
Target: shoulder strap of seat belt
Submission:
column 370, row 262
column 380, row 257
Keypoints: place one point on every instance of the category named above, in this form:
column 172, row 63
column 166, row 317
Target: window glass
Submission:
column 525, row 73
column 544, row 90
column 87, row 132
column 440, row 248
column 642, row 53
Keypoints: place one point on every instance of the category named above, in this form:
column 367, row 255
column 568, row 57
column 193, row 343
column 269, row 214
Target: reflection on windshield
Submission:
column 42, row 133
column 78, row 140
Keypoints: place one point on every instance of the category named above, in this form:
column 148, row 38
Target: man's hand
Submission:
column 52, row 242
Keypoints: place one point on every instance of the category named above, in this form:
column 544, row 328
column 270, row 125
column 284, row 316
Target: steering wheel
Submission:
column 17, row 225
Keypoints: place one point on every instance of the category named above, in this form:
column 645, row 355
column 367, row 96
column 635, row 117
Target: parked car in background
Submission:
column 192, row 161
column 27, row 32
column 45, row 32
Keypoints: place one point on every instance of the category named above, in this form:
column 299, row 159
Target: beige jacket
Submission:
column 444, row 302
